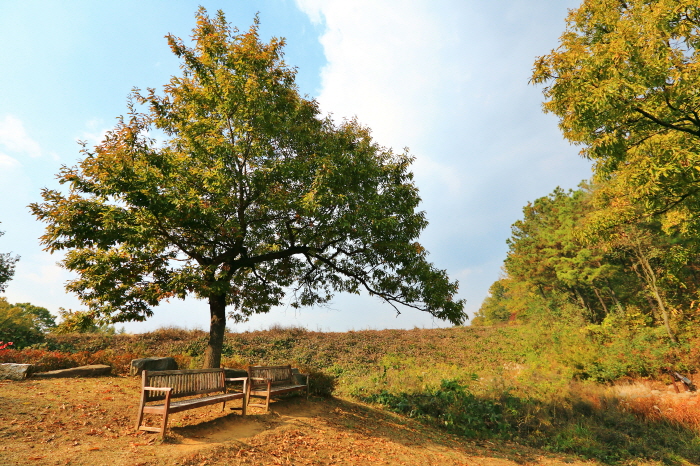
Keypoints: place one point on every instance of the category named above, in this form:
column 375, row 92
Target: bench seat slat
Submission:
column 278, row 389
column 183, row 405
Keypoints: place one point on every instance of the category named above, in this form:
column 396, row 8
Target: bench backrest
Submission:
column 280, row 375
column 184, row 383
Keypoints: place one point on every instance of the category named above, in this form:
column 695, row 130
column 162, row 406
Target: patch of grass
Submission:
column 603, row 430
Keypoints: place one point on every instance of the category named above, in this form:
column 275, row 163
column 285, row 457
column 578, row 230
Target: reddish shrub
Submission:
column 52, row 360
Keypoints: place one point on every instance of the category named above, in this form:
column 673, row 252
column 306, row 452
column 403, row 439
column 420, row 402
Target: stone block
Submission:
column 82, row 371
column 152, row 364
column 11, row 371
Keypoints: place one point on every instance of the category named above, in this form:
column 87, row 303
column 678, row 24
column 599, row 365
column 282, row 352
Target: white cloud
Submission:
column 449, row 79
column 7, row 161
column 14, row 138
column 402, row 70
column 389, row 65
column 95, row 133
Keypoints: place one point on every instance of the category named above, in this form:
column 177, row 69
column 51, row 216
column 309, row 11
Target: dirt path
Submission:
column 90, row 422
column 344, row 433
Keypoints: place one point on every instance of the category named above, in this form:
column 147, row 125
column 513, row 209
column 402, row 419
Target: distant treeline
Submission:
column 567, row 256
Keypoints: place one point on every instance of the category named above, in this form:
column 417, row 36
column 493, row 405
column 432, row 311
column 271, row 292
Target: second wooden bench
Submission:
column 268, row 381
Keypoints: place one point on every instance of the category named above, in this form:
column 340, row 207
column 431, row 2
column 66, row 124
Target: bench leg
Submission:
column 165, row 415
column 267, row 398
column 139, row 416
column 246, row 394
column 164, row 425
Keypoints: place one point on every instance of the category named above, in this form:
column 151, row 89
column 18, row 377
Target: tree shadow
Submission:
column 601, row 429
column 321, row 426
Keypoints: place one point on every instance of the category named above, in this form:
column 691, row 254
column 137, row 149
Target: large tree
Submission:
column 624, row 82
column 253, row 196
column 545, row 253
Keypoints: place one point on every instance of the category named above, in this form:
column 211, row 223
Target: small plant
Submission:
column 5, row 346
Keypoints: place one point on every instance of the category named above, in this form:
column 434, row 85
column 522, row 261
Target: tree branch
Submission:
column 664, row 123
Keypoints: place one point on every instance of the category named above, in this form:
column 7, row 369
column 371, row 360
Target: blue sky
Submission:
column 448, row 79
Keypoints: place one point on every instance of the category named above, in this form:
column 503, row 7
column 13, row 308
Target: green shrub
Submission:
column 453, row 406
column 320, row 383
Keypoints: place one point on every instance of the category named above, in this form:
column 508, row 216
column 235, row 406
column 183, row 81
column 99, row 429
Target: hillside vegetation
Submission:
column 534, row 384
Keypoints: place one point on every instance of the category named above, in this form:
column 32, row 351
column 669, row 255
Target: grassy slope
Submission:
column 500, row 383
column 90, row 422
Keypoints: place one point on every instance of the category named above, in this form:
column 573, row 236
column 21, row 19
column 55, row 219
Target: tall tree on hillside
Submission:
column 665, row 262
column 544, row 252
column 254, row 196
column 629, row 269
column 624, row 83
column 7, row 267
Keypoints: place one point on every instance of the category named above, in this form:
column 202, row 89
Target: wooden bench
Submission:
column 268, row 381
column 202, row 387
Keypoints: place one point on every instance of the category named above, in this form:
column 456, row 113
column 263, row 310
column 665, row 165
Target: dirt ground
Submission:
column 91, row 422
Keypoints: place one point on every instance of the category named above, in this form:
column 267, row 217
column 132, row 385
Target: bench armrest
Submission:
column 157, row 389
column 259, row 379
column 240, row 379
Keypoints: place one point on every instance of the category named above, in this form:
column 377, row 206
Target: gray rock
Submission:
column 233, row 373
column 152, row 364
column 82, row 371
column 297, row 377
column 10, row 371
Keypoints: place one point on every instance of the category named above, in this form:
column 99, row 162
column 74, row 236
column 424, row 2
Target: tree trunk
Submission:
column 584, row 304
column 614, row 298
column 651, row 282
column 600, row 299
column 217, row 328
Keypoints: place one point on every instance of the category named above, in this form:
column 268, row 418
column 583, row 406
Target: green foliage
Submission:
column 557, row 268
column 624, row 82
column 253, row 194
column 453, row 406
column 320, row 382
column 80, row 322
column 23, row 324
column 545, row 254
column 7, row 267
column 494, row 309
column 44, row 320
column 576, row 426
